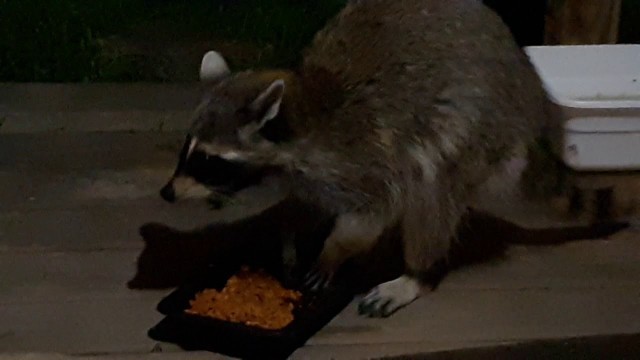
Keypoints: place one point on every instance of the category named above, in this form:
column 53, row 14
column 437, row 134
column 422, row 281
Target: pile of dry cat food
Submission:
column 252, row 298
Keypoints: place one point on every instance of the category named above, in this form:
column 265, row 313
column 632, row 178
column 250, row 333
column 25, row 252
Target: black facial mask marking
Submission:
column 213, row 171
column 225, row 175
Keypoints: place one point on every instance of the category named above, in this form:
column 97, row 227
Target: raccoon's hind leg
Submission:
column 428, row 227
column 353, row 233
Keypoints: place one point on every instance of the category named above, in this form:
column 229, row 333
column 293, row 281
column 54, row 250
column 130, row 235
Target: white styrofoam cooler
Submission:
column 598, row 87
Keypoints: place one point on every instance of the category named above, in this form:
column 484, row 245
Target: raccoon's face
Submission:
column 226, row 135
column 199, row 175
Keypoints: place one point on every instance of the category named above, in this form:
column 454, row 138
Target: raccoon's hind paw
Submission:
column 389, row 297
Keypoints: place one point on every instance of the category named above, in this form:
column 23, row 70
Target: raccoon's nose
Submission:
column 167, row 193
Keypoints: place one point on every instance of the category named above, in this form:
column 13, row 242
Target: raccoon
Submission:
column 399, row 111
column 207, row 174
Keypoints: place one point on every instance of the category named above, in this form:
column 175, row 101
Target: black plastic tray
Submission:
column 192, row 332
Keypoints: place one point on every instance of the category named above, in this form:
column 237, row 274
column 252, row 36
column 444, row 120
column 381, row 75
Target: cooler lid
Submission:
column 603, row 124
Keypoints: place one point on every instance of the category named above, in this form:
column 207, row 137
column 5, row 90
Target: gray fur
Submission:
column 434, row 97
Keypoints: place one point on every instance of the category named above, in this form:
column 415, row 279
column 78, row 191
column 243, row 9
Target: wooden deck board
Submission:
column 65, row 259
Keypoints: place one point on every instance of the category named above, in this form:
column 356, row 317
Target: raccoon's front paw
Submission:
column 322, row 273
column 389, row 297
column 318, row 278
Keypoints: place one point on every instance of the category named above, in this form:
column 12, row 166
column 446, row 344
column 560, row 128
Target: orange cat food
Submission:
column 251, row 298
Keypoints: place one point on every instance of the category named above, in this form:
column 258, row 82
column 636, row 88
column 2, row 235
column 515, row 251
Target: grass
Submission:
column 82, row 40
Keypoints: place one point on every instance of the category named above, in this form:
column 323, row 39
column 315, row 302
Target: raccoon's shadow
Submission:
column 172, row 257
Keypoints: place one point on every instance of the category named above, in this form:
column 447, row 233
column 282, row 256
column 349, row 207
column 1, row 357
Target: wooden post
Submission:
column 582, row 22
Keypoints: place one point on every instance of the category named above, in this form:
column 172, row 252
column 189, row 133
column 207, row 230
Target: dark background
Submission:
column 163, row 40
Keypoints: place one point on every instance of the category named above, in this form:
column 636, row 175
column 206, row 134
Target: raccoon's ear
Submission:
column 267, row 105
column 213, row 67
